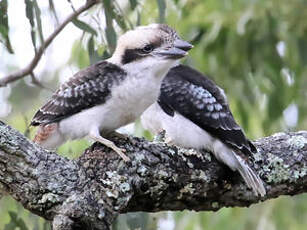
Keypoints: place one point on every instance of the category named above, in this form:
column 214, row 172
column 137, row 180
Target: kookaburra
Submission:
column 194, row 113
column 113, row 92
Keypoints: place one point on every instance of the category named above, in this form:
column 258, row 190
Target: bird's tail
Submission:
column 251, row 179
column 234, row 161
column 48, row 136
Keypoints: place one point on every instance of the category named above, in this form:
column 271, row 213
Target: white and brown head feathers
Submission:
column 155, row 40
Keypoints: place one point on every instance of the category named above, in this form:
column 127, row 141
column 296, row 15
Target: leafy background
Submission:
column 255, row 49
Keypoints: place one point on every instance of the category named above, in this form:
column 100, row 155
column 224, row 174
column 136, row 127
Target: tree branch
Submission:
column 89, row 192
column 30, row 67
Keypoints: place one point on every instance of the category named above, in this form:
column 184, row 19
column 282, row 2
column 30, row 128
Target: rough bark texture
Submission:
column 89, row 192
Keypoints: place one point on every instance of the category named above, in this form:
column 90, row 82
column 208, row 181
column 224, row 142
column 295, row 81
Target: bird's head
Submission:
column 153, row 46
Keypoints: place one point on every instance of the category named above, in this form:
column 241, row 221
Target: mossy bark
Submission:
column 89, row 192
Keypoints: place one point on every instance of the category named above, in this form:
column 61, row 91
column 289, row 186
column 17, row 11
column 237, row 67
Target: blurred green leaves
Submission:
column 109, row 30
column 33, row 14
column 14, row 217
column 30, row 16
column 15, row 223
column 93, row 54
column 38, row 20
column 133, row 4
column 282, row 214
column 84, row 26
column 162, row 9
column 4, row 27
column 237, row 45
column 52, row 9
column 137, row 221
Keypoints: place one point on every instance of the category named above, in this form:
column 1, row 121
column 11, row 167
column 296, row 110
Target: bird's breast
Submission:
column 128, row 100
column 135, row 95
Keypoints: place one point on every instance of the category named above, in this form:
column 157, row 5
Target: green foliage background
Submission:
column 255, row 49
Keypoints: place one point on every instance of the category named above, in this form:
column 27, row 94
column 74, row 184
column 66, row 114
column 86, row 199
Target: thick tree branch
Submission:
column 89, row 192
column 29, row 68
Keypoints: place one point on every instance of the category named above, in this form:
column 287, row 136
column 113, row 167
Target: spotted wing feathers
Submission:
column 200, row 100
column 87, row 88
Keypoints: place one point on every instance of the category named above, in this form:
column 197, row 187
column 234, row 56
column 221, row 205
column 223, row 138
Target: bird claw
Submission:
column 121, row 153
column 123, row 150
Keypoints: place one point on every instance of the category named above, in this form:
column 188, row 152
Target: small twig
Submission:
column 98, row 20
column 123, row 14
column 29, row 69
column 53, row 12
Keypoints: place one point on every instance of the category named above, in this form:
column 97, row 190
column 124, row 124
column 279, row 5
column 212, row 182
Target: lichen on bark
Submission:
column 89, row 192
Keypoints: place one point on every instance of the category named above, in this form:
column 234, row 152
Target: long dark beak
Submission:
column 179, row 50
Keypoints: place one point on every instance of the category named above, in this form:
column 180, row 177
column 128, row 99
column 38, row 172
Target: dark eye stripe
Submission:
column 131, row 55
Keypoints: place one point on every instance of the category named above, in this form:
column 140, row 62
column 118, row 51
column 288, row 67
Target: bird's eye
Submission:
column 148, row 48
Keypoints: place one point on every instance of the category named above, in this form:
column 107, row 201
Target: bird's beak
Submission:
column 179, row 50
column 183, row 45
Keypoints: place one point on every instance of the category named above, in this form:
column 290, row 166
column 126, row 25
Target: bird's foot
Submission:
column 111, row 145
column 121, row 153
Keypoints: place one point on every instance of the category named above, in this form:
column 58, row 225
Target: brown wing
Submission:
column 87, row 88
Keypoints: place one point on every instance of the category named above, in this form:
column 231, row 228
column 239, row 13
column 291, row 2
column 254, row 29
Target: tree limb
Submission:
column 89, row 192
column 30, row 67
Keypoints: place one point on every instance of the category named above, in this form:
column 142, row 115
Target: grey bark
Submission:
column 89, row 192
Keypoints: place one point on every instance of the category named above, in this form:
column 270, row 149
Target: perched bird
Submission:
column 111, row 93
column 194, row 113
